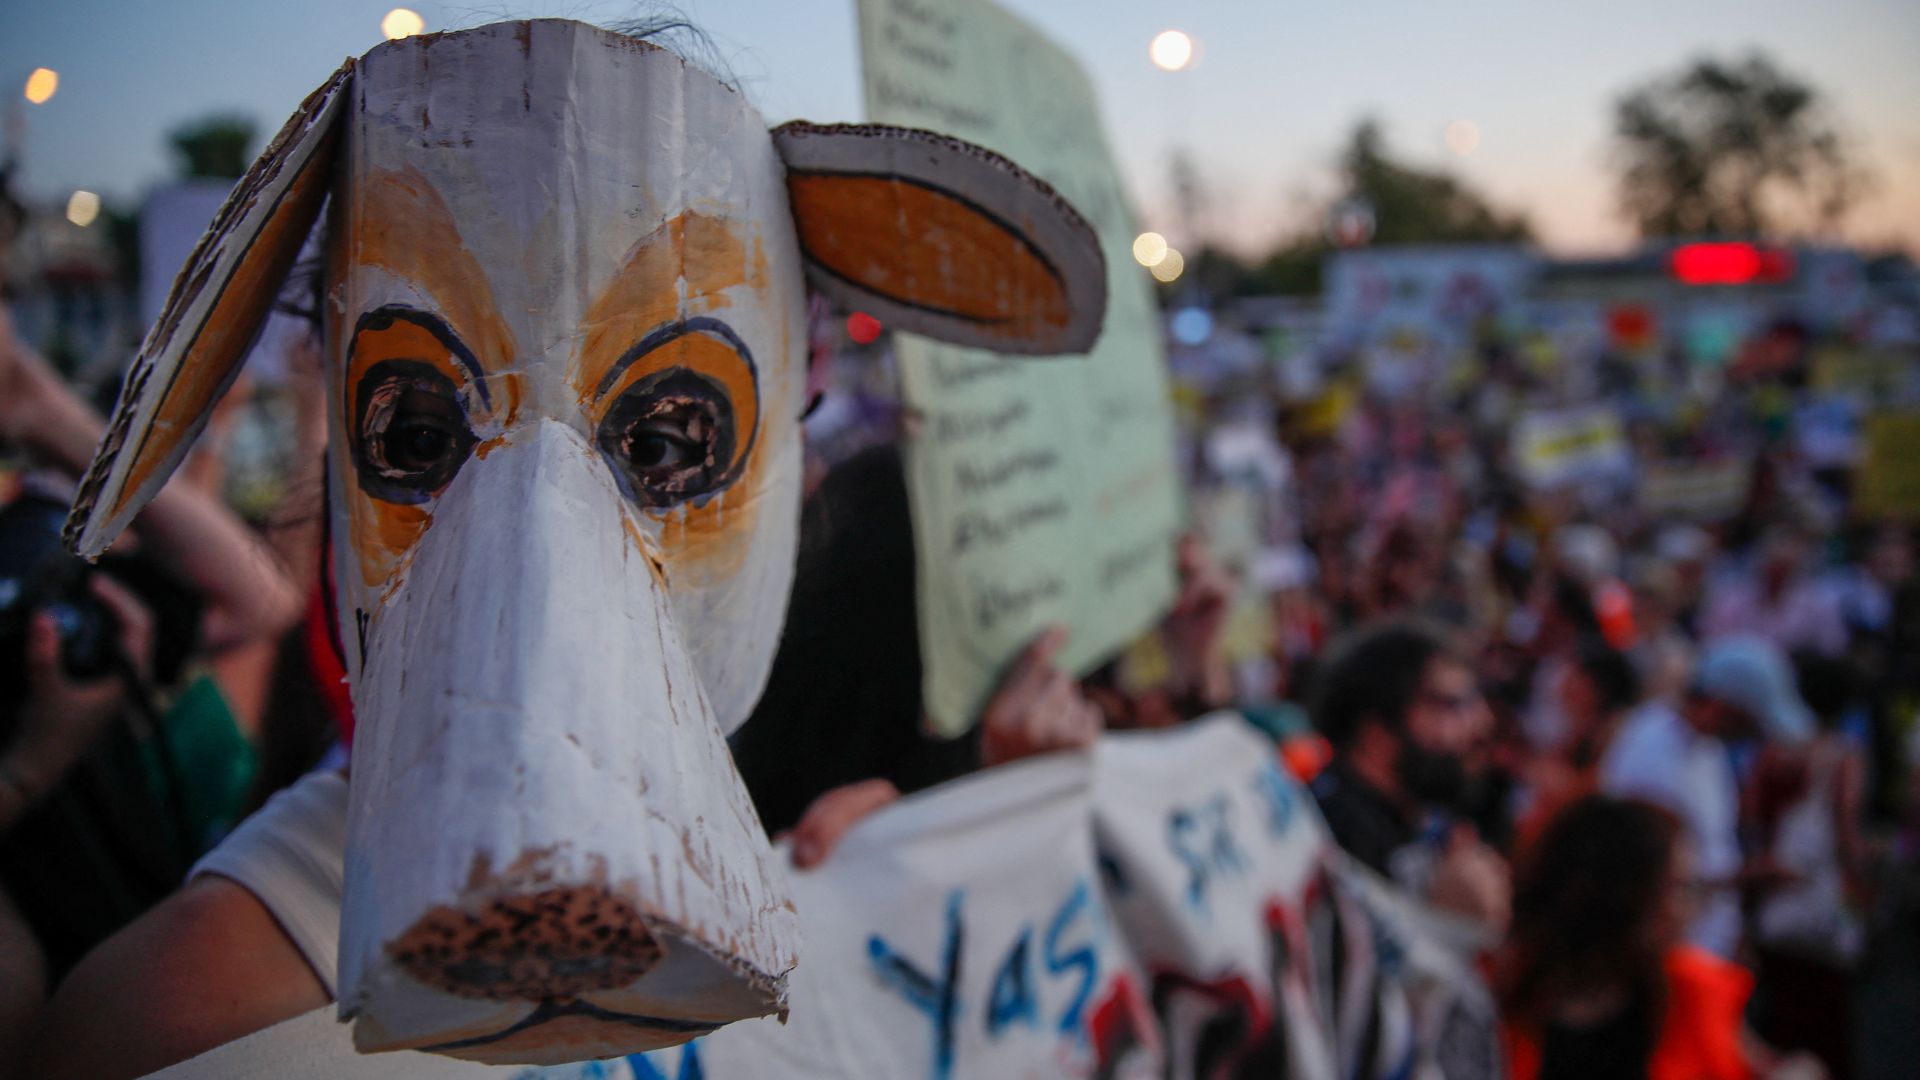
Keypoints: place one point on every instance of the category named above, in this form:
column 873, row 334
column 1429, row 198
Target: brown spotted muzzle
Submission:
column 544, row 822
column 554, row 943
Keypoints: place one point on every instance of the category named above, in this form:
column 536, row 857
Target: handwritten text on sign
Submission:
column 1043, row 490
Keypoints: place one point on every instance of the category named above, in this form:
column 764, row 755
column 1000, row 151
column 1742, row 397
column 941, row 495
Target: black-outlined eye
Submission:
column 410, row 431
column 670, row 437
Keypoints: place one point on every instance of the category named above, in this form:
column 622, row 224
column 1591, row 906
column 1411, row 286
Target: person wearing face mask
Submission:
column 1406, row 720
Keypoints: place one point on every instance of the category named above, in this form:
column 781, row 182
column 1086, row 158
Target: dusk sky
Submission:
column 1277, row 85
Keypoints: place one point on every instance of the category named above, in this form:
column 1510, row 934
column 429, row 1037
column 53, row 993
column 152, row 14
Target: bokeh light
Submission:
column 1462, row 137
column 1149, row 248
column 863, row 328
column 402, row 23
column 41, row 85
column 1191, row 326
column 1170, row 266
column 82, row 208
column 1171, row 50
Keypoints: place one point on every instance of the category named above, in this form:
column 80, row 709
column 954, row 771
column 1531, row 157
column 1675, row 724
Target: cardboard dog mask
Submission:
column 565, row 315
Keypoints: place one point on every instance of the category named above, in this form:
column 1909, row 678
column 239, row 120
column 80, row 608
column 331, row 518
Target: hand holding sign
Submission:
column 1038, row 708
column 832, row 814
column 1194, row 627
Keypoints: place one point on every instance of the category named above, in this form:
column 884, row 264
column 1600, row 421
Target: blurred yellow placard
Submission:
column 1889, row 481
column 1560, row 446
column 1875, row 373
column 1699, row 491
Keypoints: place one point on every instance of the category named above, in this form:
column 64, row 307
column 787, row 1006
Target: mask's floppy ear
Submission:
column 942, row 238
column 216, row 309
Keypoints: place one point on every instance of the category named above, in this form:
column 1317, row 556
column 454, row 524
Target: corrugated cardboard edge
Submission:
column 1065, row 237
column 88, row 530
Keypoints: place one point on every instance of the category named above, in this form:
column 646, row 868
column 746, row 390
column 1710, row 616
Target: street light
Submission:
column 1169, row 267
column 1171, row 50
column 1149, row 248
column 82, row 208
column 401, row 23
column 41, row 85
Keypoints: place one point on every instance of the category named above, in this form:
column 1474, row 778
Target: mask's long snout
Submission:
column 542, row 806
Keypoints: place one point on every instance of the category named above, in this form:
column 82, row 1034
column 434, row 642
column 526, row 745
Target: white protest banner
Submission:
column 1427, row 983
column 1267, row 950
column 1167, row 906
column 1042, row 492
column 962, row 932
column 1552, row 447
column 1213, row 856
column 315, row 1046
column 1373, row 293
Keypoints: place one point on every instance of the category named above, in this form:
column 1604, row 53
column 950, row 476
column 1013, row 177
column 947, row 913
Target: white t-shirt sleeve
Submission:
column 1645, row 762
column 291, row 855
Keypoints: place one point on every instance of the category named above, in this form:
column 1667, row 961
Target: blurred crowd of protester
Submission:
column 1539, row 706
column 1488, row 675
column 1752, row 672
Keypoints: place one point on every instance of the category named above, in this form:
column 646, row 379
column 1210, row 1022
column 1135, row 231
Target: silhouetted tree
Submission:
column 1729, row 148
column 216, row 146
column 1412, row 205
column 1292, row 269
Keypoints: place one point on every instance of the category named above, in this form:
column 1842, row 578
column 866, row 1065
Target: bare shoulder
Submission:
column 206, row 966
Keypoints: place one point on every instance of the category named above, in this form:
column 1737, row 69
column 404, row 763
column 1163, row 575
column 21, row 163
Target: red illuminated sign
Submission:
column 1731, row 264
column 863, row 328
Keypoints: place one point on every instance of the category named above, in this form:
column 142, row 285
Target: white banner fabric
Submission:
column 1169, row 905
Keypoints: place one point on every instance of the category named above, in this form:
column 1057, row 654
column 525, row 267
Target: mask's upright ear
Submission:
column 942, row 238
column 216, row 309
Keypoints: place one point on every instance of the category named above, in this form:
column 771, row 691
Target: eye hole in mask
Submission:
column 674, row 435
column 411, row 433
column 670, row 437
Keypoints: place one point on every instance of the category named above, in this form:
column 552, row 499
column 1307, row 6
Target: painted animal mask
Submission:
column 565, row 315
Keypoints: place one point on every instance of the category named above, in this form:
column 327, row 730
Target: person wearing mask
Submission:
column 1404, row 716
column 1676, row 757
column 1594, row 979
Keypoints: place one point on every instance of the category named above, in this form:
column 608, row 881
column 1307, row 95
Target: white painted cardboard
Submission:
column 557, row 257
column 583, row 652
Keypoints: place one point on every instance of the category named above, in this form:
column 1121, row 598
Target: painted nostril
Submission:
column 556, row 943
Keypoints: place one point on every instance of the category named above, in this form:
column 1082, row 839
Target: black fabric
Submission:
column 1615, row 1049
column 1362, row 821
column 843, row 703
column 95, row 853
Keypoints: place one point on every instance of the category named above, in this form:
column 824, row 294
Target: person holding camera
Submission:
column 120, row 761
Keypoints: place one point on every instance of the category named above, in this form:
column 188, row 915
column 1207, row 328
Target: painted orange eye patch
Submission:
column 395, row 332
column 679, row 412
column 409, row 423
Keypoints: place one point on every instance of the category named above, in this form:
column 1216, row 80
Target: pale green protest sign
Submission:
column 1043, row 490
